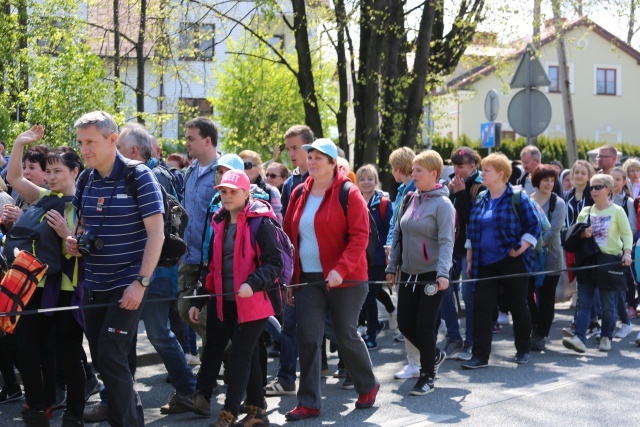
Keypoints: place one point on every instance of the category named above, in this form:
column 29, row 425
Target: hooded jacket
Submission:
column 259, row 275
column 423, row 242
column 382, row 224
column 342, row 240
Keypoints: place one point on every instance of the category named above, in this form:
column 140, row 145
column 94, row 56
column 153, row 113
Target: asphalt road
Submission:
column 557, row 388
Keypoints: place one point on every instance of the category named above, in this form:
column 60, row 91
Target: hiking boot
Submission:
column 279, row 388
column 300, row 413
column 172, row 407
column 96, row 414
column 69, row 419
column 195, row 403
column 33, row 418
column 225, row 419
column 10, row 393
column 366, row 400
column 256, row 416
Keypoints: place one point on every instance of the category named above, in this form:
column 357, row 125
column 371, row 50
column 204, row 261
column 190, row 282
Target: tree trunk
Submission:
column 140, row 61
column 341, row 116
column 20, row 112
column 116, row 52
column 537, row 10
column 418, row 84
column 632, row 20
column 305, row 78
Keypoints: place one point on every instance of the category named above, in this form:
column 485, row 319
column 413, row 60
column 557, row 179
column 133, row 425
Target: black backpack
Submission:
column 175, row 216
column 33, row 234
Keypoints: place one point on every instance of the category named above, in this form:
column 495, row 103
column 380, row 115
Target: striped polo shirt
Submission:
column 122, row 231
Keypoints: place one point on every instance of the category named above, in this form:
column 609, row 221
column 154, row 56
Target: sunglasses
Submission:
column 248, row 166
column 598, row 187
column 272, row 175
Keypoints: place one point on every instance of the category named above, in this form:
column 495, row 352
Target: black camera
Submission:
column 86, row 242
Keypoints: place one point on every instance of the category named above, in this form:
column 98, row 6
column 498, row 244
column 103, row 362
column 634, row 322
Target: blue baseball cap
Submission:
column 323, row 145
column 231, row 161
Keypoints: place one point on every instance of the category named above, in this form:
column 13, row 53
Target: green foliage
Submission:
column 257, row 98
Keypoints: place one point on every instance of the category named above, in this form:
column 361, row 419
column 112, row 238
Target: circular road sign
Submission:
column 491, row 105
column 539, row 112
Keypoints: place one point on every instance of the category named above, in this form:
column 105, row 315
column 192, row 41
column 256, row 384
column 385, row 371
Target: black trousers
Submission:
column 111, row 332
column 245, row 372
column 418, row 317
column 485, row 299
column 542, row 307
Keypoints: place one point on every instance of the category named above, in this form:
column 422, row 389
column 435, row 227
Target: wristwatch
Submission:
column 144, row 280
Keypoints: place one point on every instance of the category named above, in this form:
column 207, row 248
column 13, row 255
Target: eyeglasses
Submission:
column 272, row 175
column 248, row 166
column 598, row 187
column 603, row 157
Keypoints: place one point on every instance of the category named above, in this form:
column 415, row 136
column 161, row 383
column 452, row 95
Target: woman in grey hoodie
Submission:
column 422, row 249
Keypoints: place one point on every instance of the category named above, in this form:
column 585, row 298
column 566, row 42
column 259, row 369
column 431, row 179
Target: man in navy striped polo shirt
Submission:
column 127, row 239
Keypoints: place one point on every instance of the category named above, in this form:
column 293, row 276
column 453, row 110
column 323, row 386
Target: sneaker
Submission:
column 393, row 320
column 279, row 388
column 340, row 373
column 522, row 358
column 195, row 403
column 371, row 345
column 172, row 407
column 594, row 329
column 503, row 318
column 367, row 400
column 624, row 331
column 632, row 312
column 10, row 394
column 399, row 338
column 97, row 414
column 453, row 347
column 465, row 354
column 569, row 331
column 497, row 328
column 638, row 339
column 381, row 326
column 423, row 386
column 192, row 360
column 537, row 343
column 605, row 344
column 69, row 419
column 440, row 358
column 347, row 384
column 474, row 363
column 225, row 419
column 362, row 330
column 409, row 371
column 256, row 416
column 574, row 343
column 33, row 418
column 300, row 413
column 93, row 387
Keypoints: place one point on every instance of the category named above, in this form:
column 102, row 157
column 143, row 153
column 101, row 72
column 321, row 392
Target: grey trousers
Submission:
column 344, row 304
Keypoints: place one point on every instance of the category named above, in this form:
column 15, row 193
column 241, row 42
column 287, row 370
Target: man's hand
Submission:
column 132, row 296
column 245, row 291
column 194, row 314
column 334, row 279
column 29, row 136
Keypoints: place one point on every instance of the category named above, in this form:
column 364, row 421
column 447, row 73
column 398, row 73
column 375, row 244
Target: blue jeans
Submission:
column 622, row 308
column 587, row 292
column 448, row 310
column 156, row 322
column 288, row 346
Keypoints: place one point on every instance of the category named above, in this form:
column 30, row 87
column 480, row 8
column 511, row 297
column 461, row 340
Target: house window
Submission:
column 554, row 76
column 197, row 41
column 508, row 134
column 189, row 108
column 606, row 80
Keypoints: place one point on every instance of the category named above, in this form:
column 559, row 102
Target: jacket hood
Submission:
column 424, row 197
column 439, row 191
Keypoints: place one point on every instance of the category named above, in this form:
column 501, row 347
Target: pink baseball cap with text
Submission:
column 235, row 179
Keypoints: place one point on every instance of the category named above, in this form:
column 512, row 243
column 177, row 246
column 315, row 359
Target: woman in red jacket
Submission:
column 239, row 307
column 331, row 249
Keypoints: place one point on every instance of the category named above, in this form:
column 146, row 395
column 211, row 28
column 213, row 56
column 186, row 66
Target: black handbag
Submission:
column 610, row 277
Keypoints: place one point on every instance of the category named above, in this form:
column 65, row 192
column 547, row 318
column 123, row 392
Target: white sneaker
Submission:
column 605, row 344
column 362, row 330
column 623, row 331
column 192, row 360
column 503, row 318
column 409, row 371
column 393, row 320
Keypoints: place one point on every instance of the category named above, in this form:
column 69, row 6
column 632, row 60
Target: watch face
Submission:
column 144, row 281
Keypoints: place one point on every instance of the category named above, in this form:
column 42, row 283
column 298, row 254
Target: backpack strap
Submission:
column 343, row 196
column 552, row 204
column 515, row 202
column 384, row 201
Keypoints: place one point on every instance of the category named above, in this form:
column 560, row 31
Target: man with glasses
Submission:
column 607, row 156
column 201, row 143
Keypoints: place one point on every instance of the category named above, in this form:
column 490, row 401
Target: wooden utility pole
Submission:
column 565, row 86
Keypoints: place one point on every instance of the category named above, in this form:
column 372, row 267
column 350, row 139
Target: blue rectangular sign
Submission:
column 488, row 135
